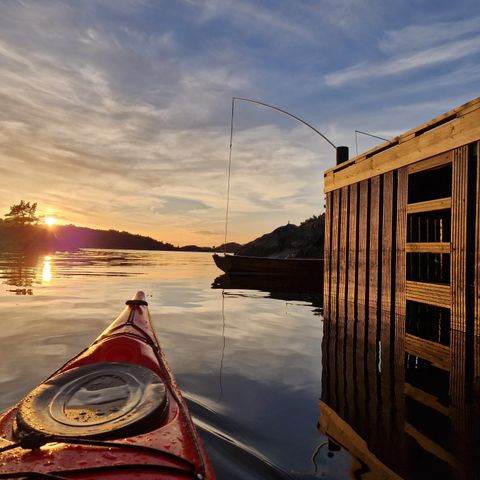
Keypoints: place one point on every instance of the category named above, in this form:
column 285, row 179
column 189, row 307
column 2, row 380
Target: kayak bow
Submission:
column 113, row 411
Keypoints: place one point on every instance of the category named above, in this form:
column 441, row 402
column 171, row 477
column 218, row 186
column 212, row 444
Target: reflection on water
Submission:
column 303, row 289
column 402, row 406
column 47, row 269
column 28, row 272
column 248, row 361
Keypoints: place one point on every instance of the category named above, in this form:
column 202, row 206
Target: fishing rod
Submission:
column 286, row 113
column 342, row 152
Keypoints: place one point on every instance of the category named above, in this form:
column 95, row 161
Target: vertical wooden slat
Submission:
column 362, row 271
column 334, row 257
column 387, row 244
column 326, row 364
column 399, row 292
column 342, row 295
column 372, row 314
column 459, row 238
column 362, row 249
column 343, row 255
column 386, row 375
column 372, row 311
column 372, row 378
column 400, row 267
column 458, row 288
column 327, row 252
column 352, row 253
column 374, row 223
column 351, row 361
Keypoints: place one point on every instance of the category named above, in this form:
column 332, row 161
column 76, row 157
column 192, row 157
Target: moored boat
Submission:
column 247, row 265
column 114, row 411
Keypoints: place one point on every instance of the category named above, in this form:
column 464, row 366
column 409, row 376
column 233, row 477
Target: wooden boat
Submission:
column 244, row 265
column 114, row 411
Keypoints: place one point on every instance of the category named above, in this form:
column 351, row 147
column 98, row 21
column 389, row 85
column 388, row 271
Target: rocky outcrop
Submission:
column 303, row 241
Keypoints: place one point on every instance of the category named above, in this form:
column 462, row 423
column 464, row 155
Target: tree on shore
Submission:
column 22, row 213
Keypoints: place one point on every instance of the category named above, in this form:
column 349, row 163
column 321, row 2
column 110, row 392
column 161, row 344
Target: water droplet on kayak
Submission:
column 109, row 456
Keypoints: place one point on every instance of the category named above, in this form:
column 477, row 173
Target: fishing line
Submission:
column 229, row 175
column 369, row 135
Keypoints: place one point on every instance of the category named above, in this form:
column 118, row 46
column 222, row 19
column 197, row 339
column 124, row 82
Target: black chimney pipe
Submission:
column 342, row 155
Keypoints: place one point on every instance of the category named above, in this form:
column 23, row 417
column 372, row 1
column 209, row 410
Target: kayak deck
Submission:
column 164, row 444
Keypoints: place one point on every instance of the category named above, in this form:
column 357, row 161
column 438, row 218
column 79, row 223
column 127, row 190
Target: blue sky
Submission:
column 116, row 113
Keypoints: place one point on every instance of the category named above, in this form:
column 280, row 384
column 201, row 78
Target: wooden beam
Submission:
column 423, row 144
column 431, row 293
column 428, row 247
column 425, row 399
column 431, row 446
column 433, row 162
column 430, row 205
column 437, row 354
column 334, row 427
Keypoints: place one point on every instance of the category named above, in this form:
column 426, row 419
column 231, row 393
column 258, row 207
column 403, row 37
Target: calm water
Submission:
column 276, row 390
column 249, row 364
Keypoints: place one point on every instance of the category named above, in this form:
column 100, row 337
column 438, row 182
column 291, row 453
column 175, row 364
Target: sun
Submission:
column 50, row 220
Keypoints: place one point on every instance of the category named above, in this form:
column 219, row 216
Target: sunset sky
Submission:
column 116, row 113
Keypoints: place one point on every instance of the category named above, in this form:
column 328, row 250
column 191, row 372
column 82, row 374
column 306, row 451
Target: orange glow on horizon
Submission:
column 50, row 220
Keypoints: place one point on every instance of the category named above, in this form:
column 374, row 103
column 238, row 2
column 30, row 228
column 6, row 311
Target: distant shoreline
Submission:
column 18, row 238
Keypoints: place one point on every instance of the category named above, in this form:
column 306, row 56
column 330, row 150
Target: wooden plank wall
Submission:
column 365, row 226
column 365, row 253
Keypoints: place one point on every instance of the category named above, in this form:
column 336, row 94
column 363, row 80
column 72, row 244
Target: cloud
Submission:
column 429, row 57
column 178, row 205
column 249, row 15
column 415, row 36
column 413, row 48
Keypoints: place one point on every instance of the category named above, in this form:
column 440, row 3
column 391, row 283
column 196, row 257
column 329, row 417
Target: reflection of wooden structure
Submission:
column 335, row 427
column 393, row 411
column 247, row 265
column 401, row 291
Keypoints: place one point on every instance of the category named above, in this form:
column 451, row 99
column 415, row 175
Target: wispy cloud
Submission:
column 413, row 48
column 429, row 57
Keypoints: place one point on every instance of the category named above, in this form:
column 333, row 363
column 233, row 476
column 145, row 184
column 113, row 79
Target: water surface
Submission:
column 248, row 363
column 276, row 390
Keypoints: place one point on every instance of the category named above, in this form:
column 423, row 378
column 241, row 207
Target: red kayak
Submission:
column 114, row 411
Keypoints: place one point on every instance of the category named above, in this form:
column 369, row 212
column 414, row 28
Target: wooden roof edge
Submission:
column 409, row 134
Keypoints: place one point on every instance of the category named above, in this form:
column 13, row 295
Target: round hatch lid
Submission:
column 95, row 400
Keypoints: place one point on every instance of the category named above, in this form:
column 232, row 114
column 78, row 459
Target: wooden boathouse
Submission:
column 401, row 280
column 402, row 234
